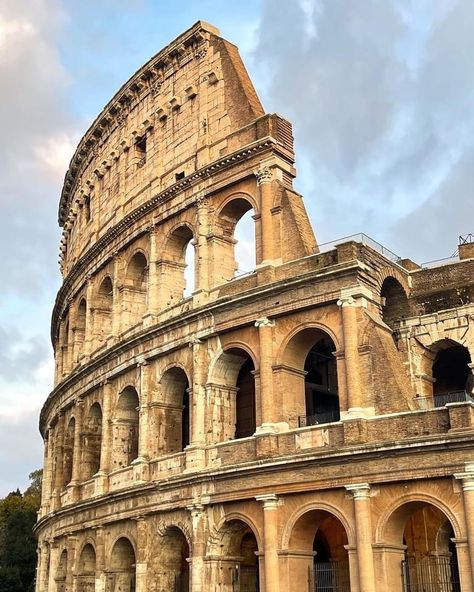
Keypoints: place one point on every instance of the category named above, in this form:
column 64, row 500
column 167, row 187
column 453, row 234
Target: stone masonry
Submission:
column 306, row 426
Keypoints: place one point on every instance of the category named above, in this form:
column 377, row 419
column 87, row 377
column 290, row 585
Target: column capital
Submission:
column 264, row 322
column 264, row 174
column 269, row 500
column 359, row 490
column 346, row 301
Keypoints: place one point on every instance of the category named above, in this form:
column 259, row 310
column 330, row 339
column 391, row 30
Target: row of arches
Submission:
column 233, row 402
column 148, row 283
column 319, row 553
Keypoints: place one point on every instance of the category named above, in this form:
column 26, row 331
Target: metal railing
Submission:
column 430, row 574
column 319, row 418
column 360, row 238
column 442, row 399
column 332, row 576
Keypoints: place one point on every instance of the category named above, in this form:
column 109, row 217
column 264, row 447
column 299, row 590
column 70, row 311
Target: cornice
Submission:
column 145, row 80
column 140, row 212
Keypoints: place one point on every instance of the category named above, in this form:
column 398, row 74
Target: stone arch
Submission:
column 223, row 242
column 80, row 328
column 103, row 310
column 61, row 571
column 231, row 389
column 92, row 440
column 307, row 368
column 125, row 428
column 122, row 561
column 174, row 420
column 171, row 561
column 394, row 301
column 316, row 541
column 420, row 498
column 413, row 528
column 68, row 451
column 172, row 266
column 233, row 548
column 215, row 537
column 135, row 288
column 86, row 568
column 392, row 272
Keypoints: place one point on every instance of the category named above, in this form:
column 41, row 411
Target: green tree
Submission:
column 18, row 514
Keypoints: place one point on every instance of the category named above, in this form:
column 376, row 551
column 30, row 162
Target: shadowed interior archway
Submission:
column 122, row 566
column 125, row 428
column 91, row 441
column 175, row 411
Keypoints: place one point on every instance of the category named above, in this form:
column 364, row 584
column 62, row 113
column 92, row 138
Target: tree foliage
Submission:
column 17, row 542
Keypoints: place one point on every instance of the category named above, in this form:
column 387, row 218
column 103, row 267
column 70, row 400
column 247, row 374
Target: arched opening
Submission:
column 86, row 569
column 122, row 567
column 453, row 378
column 233, row 249
column 68, row 451
column 423, row 535
column 394, row 302
column 309, row 375
column 172, row 568
column 92, row 441
column 134, row 292
column 61, row 572
column 125, row 432
column 175, row 420
column 245, row 252
column 318, row 553
column 233, row 393
column 103, row 311
column 80, row 329
column 236, row 558
column 177, row 266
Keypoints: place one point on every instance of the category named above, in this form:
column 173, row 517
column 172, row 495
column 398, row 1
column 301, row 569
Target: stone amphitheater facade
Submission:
column 305, row 426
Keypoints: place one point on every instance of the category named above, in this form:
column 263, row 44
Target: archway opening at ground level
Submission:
column 61, row 572
column 318, row 558
column 234, row 558
column 121, row 574
column 171, row 567
column 86, row 569
column 423, row 556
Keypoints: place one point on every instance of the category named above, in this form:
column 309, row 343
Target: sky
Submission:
column 380, row 93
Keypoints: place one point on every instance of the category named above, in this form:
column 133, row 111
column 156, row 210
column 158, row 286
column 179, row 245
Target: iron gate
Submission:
column 246, row 579
column 332, row 576
column 430, row 574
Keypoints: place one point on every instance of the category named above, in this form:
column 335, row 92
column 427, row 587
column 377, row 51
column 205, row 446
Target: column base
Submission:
column 357, row 413
column 271, row 428
column 101, row 485
column 195, row 458
column 141, row 469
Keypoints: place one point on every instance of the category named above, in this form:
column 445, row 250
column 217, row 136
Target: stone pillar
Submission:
column 268, row 404
column 141, row 565
column 106, row 438
column 264, row 182
column 117, row 325
column 89, row 330
column 464, row 564
column 153, row 277
column 47, row 473
column 58, row 454
column 199, row 548
column 42, row 570
column 365, row 557
column 198, row 409
column 76, row 455
column 270, row 538
column 202, row 255
column 351, row 354
column 140, row 464
column 467, row 481
column 100, row 573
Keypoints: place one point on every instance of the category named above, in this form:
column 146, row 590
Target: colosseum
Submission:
column 305, row 426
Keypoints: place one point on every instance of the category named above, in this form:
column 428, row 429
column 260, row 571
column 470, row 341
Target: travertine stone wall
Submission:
column 264, row 429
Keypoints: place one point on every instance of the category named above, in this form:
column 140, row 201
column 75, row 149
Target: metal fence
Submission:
column 332, row 576
column 442, row 399
column 318, row 418
column 360, row 238
column 248, row 579
column 430, row 574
